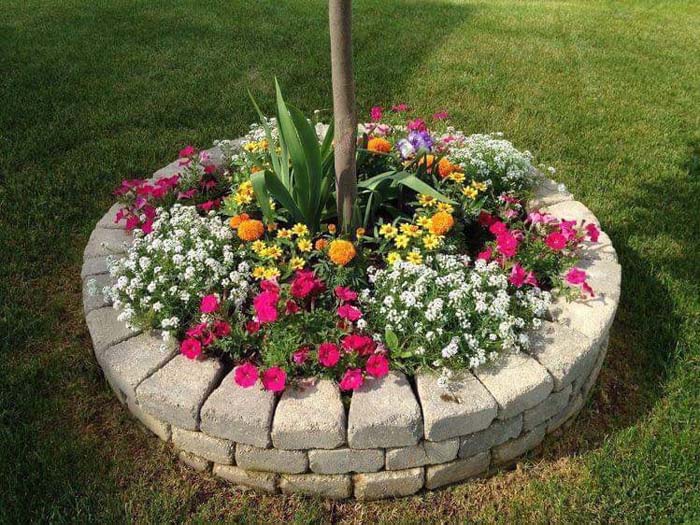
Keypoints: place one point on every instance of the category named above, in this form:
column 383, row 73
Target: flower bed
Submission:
column 449, row 278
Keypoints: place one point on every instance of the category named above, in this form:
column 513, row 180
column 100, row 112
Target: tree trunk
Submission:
column 340, row 17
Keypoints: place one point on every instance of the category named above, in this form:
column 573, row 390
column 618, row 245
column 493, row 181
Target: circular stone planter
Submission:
column 396, row 437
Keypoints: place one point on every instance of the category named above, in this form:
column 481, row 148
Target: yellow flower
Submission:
column 256, row 147
column 431, row 241
column 300, row 230
column 412, row 230
column 304, row 245
column 479, row 186
column 401, row 241
column 258, row 247
column 259, row 272
column 414, row 257
column 447, row 208
column 296, row 263
column 379, row 145
column 242, row 199
column 273, row 252
column 341, row 252
column 393, row 258
column 284, row 233
column 441, row 223
column 423, row 222
column 388, row 231
column 470, row 192
column 332, row 228
column 426, row 200
column 457, row 177
column 359, row 232
column 271, row 273
column 251, row 230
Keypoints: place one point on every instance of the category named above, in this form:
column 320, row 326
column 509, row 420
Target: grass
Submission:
column 91, row 92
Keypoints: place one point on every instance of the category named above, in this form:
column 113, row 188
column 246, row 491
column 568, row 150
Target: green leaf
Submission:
column 262, row 195
column 392, row 341
column 278, row 191
column 274, row 158
column 411, row 181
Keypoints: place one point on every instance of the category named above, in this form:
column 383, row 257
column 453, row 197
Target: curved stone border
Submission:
column 394, row 440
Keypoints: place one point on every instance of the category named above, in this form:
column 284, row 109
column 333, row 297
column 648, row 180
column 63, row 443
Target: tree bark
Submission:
column 340, row 18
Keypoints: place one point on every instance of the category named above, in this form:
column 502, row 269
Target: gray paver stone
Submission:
column 498, row 432
column 336, row 486
column 106, row 329
column 155, row 425
column 207, row 447
column 105, row 242
column 388, row 484
column 194, row 461
column 550, row 407
column 93, row 298
column 271, row 459
column 257, row 480
column 455, row 471
column 547, row 193
column 510, row 450
column 424, row 453
column 572, row 210
column 108, row 219
column 573, row 408
column 344, row 460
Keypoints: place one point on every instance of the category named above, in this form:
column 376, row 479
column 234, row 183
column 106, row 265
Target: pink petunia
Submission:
column 556, row 241
column 345, row 294
column 328, row 354
column 274, row 379
column 518, row 275
column 377, row 366
column 485, row 255
column 265, row 306
column 197, row 330
column 576, row 276
column 300, row 356
column 349, row 312
column 417, row 124
column 209, row 304
column 498, row 228
column 305, row 283
column 376, row 113
column 187, row 151
column 507, row 244
column 362, row 344
column 593, row 232
column 245, row 375
column 222, row 329
column 398, row 108
column 568, row 229
column 352, row 379
column 191, row 348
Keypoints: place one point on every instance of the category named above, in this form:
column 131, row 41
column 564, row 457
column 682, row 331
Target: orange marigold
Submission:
column 427, row 160
column 379, row 145
column 445, row 167
column 441, row 223
column 236, row 220
column 321, row 244
column 251, row 230
column 341, row 252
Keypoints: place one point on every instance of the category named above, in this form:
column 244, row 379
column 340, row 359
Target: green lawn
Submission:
column 91, row 92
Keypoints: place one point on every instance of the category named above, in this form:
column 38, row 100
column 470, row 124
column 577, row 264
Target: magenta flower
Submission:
column 274, row 379
column 245, row 375
column 576, row 276
column 518, row 275
column 417, row 124
column 345, row 294
column 352, row 379
column 556, row 241
column 377, row 366
column 362, row 344
column 305, row 283
column 300, row 356
column 187, row 151
column 507, row 244
column 191, row 348
column 376, row 113
column 399, row 108
column 265, row 306
column 498, row 228
column 485, row 255
column 441, row 115
column 209, row 304
column 349, row 312
column 593, row 232
column 222, row 329
column 328, row 354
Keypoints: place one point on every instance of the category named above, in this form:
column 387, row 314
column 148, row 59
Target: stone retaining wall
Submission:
column 396, row 437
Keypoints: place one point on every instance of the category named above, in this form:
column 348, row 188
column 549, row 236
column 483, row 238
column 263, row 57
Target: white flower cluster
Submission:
column 448, row 313
column 492, row 159
column 165, row 273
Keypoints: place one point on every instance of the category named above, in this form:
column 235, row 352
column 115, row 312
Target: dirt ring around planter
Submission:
column 396, row 438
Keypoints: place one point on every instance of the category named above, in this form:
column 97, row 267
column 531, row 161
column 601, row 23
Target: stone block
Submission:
column 257, row 480
column 572, row 211
column 344, row 460
column 510, row 450
column 547, row 193
column 207, row 447
column 516, row 381
column 93, row 298
column 388, row 484
column 312, row 416
column 108, row 219
column 573, row 408
column 498, row 432
column 384, row 413
column 271, row 459
column 462, row 407
column 128, row 363
column 194, row 461
column 104, row 242
column 155, row 425
column 337, row 486
column 555, row 403
column 176, row 392
column 455, row 471
column 97, row 266
column 106, row 330
column 243, row 415
column 424, row 453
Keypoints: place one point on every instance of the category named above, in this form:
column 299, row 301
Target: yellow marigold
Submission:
column 284, row 233
column 379, row 145
column 447, row 208
column 388, row 231
column 457, row 177
column 426, row 200
column 321, row 244
column 236, row 220
column 401, row 241
column 271, row 273
column 393, row 258
column 479, row 186
column 359, row 232
column 271, row 227
column 470, row 192
column 441, row 223
column 242, row 198
column 414, row 257
column 300, row 230
column 296, row 263
column 445, row 167
column 273, row 252
column 341, row 252
column 258, row 247
column 411, row 230
column 251, row 229
column 431, row 241
column 255, row 169
column 259, row 272
column 423, row 222
column 332, row 228
column 304, row 245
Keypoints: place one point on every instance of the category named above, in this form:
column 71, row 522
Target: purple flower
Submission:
column 420, row 140
column 405, row 148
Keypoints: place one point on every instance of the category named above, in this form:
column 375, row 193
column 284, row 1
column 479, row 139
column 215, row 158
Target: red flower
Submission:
column 191, row 348
column 352, row 379
column 197, row 330
column 485, row 255
column 328, row 354
column 291, row 307
column 507, row 244
column 517, row 275
column 556, row 241
column 593, row 232
column 305, row 283
column 274, row 379
column 377, row 366
column 361, row 344
column 209, row 304
column 187, row 151
column 486, row 219
column 349, row 312
column 252, row 327
column 222, row 329
column 299, row 357
column 245, row 375
column 417, row 124
column 576, row 276
column 265, row 305
column 498, row 228
column 345, row 294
